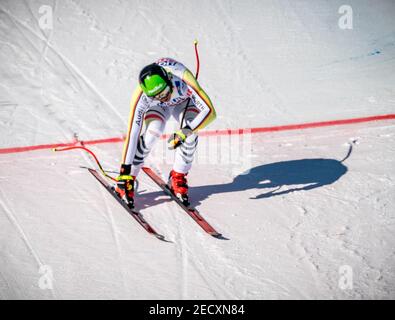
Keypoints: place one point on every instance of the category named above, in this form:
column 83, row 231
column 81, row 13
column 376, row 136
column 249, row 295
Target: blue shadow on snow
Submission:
column 306, row 174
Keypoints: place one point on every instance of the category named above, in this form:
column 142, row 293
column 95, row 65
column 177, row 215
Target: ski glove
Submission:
column 125, row 183
column 179, row 137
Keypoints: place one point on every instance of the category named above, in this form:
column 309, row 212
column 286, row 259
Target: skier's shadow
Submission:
column 285, row 177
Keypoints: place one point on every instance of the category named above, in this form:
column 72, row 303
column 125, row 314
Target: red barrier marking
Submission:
column 212, row 133
column 296, row 126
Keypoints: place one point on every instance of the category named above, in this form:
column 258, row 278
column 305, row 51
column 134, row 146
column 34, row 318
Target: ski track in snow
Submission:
column 46, row 107
column 248, row 66
column 115, row 234
column 172, row 214
column 190, row 262
column 29, row 245
column 74, row 71
column 109, row 217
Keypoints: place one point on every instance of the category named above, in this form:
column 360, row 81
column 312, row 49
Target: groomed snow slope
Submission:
column 296, row 205
column 293, row 221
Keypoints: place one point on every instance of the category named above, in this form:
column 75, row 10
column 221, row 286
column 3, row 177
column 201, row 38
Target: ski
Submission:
column 135, row 214
column 192, row 212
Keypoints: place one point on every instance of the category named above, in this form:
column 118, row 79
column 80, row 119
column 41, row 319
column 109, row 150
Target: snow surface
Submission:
column 297, row 206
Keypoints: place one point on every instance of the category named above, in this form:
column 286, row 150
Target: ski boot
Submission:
column 179, row 186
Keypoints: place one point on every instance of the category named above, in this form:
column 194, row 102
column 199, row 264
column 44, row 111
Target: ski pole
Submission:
column 197, row 58
column 91, row 153
column 196, row 76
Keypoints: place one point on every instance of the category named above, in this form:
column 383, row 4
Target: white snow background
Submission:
column 309, row 214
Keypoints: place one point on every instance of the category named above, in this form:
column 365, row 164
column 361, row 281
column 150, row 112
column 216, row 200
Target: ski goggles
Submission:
column 163, row 94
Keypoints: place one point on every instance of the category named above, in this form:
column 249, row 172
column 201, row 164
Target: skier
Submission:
column 166, row 88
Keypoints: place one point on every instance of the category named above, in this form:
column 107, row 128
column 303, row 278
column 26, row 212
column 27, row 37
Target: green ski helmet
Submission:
column 153, row 80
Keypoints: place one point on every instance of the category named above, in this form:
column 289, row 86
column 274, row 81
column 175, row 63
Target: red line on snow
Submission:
column 297, row 126
column 212, row 133
column 58, row 145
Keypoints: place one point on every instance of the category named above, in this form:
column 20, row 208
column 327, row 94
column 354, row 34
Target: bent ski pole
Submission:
column 197, row 59
column 91, row 153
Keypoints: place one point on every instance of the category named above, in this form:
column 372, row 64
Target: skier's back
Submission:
column 167, row 88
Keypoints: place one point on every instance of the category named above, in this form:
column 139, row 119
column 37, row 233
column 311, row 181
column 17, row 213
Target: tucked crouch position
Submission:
column 166, row 89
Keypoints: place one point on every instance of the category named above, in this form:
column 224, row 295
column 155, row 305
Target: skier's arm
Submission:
column 201, row 100
column 137, row 110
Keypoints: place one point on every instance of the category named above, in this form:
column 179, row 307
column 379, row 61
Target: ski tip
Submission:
column 219, row 236
column 160, row 237
column 93, row 171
